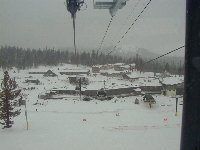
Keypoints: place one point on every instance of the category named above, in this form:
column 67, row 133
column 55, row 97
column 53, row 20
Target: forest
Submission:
column 11, row 56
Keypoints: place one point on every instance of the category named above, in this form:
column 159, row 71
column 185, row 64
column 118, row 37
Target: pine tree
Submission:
column 8, row 100
column 167, row 67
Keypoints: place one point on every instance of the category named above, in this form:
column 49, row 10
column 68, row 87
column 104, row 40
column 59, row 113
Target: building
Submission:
column 165, row 74
column 113, row 73
column 96, row 69
column 123, row 67
column 36, row 72
column 106, row 67
column 118, row 67
column 132, row 67
column 172, row 86
column 33, row 81
column 75, row 72
column 153, row 89
column 137, row 91
column 75, row 79
column 136, row 75
column 49, row 73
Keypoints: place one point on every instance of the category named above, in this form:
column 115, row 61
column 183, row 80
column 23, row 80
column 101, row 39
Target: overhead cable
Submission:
column 131, row 26
column 129, row 16
column 163, row 55
column 105, row 34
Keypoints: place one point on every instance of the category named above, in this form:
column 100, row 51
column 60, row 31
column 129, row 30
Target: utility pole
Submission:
column 176, row 114
column 80, row 88
column 26, row 115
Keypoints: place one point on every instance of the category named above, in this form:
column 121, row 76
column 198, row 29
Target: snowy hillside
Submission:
column 130, row 51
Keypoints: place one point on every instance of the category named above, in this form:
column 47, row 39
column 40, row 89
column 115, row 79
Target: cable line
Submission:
column 132, row 12
column 163, row 55
column 111, row 19
column 130, row 26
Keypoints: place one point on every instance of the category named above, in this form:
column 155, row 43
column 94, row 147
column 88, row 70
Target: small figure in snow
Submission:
column 117, row 114
column 136, row 101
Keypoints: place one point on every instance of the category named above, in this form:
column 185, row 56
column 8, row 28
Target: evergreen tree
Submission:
column 8, row 100
column 167, row 67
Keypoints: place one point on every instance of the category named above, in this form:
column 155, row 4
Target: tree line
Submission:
column 26, row 58
column 11, row 56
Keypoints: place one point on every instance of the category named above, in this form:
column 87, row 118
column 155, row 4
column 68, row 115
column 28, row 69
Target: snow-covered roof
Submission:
column 80, row 75
column 172, row 80
column 134, row 75
column 137, row 74
column 141, row 82
column 126, row 66
column 99, row 66
column 138, row 90
column 112, row 71
column 77, row 70
column 132, row 64
column 158, row 74
column 119, row 64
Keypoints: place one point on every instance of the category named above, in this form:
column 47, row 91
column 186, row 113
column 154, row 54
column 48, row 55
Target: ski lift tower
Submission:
column 73, row 6
column 112, row 5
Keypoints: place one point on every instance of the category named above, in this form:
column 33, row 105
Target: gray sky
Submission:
column 41, row 23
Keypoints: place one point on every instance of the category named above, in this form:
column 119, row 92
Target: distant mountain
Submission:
column 145, row 54
column 128, row 51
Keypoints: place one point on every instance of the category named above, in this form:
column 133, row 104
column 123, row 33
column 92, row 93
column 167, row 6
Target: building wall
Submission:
column 72, row 80
column 120, row 91
column 107, row 67
column 171, row 92
column 151, row 88
column 118, row 68
column 74, row 73
column 37, row 72
column 95, row 69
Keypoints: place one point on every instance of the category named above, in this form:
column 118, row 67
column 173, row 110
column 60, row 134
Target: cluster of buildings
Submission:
column 115, row 79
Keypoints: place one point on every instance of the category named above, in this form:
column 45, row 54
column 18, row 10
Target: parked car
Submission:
column 101, row 93
column 86, row 98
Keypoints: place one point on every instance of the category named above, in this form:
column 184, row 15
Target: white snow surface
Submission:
column 173, row 80
column 111, row 71
column 137, row 74
column 58, row 124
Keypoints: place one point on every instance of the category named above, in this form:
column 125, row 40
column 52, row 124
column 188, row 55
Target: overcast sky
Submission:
column 41, row 23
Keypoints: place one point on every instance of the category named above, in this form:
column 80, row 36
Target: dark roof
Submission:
column 148, row 97
column 50, row 73
column 32, row 81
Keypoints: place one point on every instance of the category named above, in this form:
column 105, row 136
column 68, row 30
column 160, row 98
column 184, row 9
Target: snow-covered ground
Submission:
column 118, row 124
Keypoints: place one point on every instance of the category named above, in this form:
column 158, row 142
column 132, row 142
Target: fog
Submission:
column 41, row 23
